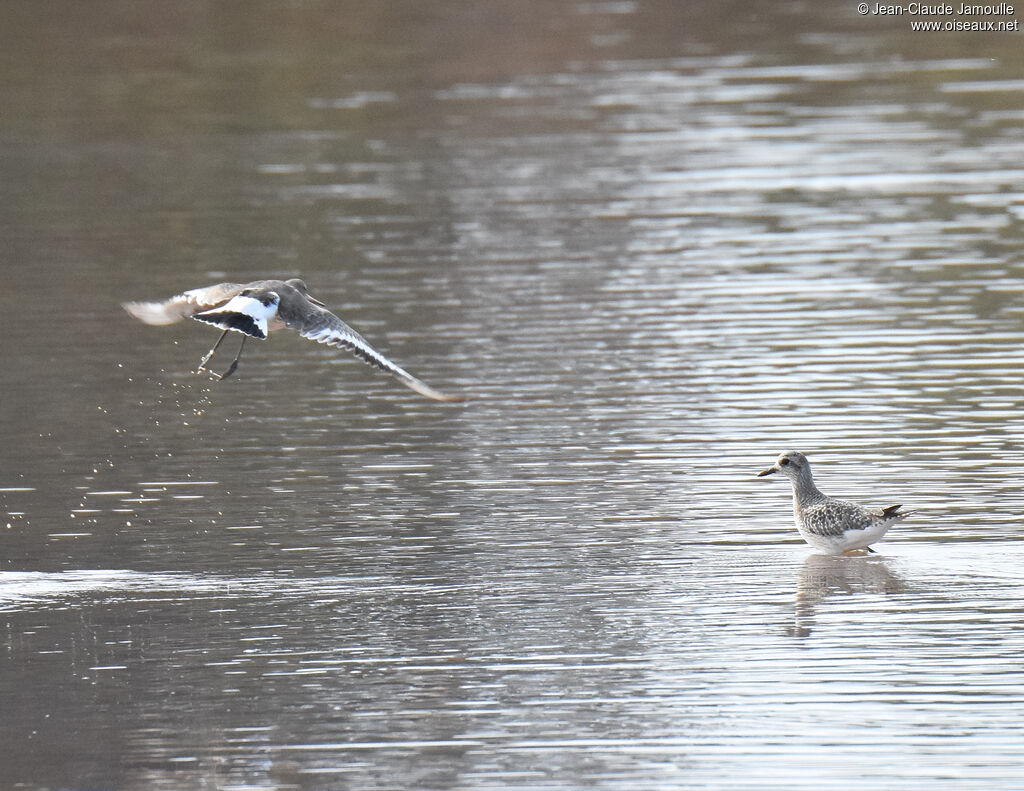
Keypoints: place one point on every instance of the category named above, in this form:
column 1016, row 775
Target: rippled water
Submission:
column 656, row 245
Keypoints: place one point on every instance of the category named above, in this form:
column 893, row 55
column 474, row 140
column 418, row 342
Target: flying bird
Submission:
column 255, row 309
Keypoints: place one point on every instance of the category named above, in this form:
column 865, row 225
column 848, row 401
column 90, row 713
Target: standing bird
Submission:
column 254, row 309
column 833, row 526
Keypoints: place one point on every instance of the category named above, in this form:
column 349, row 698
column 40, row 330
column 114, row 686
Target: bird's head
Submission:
column 300, row 286
column 792, row 464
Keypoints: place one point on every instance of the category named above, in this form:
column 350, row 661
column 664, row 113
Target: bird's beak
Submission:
column 769, row 471
column 316, row 301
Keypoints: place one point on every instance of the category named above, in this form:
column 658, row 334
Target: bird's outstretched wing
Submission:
column 183, row 305
column 322, row 326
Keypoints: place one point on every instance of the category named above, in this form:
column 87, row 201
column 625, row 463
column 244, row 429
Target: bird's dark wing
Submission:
column 322, row 326
column 183, row 305
column 891, row 512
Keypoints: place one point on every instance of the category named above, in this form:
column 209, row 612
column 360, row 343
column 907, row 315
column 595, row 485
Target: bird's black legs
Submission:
column 209, row 354
column 234, row 363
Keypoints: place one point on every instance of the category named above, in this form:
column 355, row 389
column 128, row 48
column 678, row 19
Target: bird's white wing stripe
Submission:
column 181, row 306
column 242, row 314
column 335, row 336
column 158, row 313
column 250, row 307
column 337, row 333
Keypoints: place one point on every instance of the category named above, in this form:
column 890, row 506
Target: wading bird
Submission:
column 831, row 525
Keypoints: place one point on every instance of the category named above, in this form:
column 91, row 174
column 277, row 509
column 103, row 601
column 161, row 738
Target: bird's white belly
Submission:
column 846, row 541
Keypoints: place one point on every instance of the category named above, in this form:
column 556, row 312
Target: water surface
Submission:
column 656, row 244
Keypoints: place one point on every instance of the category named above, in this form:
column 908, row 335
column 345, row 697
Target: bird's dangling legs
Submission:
column 234, row 363
column 209, row 354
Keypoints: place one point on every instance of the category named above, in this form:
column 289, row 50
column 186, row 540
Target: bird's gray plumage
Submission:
column 832, row 525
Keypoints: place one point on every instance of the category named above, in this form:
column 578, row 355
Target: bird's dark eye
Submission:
column 783, row 462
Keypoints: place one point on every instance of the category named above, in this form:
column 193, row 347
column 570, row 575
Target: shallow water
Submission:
column 656, row 245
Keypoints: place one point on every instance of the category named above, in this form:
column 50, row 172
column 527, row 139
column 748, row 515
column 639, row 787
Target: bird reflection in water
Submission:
column 822, row 576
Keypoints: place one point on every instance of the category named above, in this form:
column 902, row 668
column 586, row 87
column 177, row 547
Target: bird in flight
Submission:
column 255, row 309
